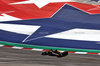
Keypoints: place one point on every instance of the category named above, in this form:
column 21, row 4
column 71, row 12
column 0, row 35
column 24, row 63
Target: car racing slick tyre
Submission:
column 60, row 55
column 44, row 53
column 65, row 53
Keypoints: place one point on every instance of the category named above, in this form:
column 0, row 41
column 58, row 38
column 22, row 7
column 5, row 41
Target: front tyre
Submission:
column 44, row 53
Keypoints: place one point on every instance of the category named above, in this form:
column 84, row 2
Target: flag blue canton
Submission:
column 94, row 0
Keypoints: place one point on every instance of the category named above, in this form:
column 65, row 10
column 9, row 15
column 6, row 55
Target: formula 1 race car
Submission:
column 55, row 53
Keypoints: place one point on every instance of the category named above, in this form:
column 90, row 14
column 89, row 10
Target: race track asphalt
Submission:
column 18, row 57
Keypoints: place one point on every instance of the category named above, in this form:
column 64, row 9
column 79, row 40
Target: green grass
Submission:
column 46, row 47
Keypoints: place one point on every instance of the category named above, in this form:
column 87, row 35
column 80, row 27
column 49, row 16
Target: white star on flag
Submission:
column 41, row 3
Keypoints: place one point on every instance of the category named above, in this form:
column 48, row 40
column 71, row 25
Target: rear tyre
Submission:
column 65, row 53
column 60, row 55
